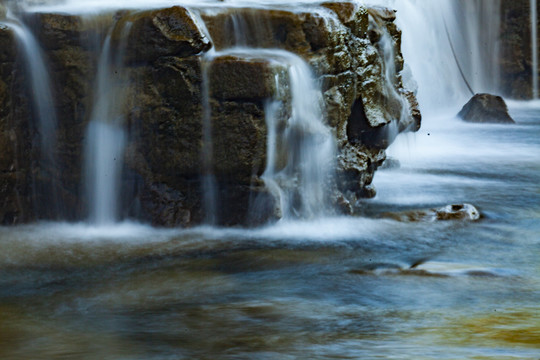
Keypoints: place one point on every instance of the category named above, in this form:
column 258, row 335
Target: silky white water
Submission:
column 40, row 88
column 43, row 110
column 430, row 30
column 534, row 47
column 105, row 136
column 323, row 288
column 305, row 180
column 300, row 182
column 209, row 185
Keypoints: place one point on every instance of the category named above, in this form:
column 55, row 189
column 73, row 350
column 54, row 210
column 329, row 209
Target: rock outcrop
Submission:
column 486, row 108
column 167, row 64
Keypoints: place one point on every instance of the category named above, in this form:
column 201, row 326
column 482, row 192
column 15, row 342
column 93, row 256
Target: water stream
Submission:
column 43, row 108
column 534, row 48
column 305, row 178
column 105, row 136
column 324, row 288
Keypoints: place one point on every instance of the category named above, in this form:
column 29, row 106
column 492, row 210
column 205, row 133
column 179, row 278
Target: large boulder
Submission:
column 166, row 64
column 486, row 108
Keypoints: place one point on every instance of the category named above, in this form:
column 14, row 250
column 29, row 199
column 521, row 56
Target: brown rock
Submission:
column 235, row 78
column 8, row 44
column 239, row 140
column 165, row 32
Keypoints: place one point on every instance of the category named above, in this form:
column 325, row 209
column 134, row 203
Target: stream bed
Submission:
column 333, row 288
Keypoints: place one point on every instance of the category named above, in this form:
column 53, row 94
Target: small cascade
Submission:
column 534, row 48
column 301, row 149
column 299, row 166
column 209, row 186
column 387, row 48
column 105, row 137
column 301, row 152
column 44, row 108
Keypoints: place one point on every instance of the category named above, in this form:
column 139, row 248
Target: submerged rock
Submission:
column 486, row 108
column 465, row 212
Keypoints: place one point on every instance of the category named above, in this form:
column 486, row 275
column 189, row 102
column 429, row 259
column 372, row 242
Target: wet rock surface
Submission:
column 486, row 108
column 165, row 50
column 461, row 212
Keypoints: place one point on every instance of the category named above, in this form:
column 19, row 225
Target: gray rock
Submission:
column 464, row 212
column 486, row 108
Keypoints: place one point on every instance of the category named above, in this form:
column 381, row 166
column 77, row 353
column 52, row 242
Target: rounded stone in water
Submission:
column 465, row 212
column 458, row 212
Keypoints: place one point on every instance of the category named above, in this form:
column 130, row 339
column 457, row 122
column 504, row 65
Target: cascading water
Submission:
column 105, row 140
column 442, row 37
column 41, row 89
column 43, row 102
column 300, row 182
column 209, row 186
column 303, row 180
column 301, row 150
column 534, row 47
column 358, row 287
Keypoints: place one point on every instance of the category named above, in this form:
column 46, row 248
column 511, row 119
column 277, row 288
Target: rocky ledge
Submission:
column 365, row 104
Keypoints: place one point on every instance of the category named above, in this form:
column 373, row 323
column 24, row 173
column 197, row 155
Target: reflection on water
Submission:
column 356, row 288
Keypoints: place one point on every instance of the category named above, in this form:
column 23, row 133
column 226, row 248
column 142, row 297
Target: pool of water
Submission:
column 336, row 288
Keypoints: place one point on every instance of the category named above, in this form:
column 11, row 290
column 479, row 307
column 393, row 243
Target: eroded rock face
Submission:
column 166, row 62
column 486, row 108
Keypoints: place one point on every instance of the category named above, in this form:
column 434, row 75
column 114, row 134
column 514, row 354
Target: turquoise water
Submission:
column 336, row 288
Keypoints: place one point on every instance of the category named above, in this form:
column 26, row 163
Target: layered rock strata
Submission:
column 174, row 85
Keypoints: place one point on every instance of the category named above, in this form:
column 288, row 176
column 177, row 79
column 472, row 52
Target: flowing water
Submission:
column 331, row 288
column 534, row 47
column 326, row 289
column 43, row 108
column 105, row 136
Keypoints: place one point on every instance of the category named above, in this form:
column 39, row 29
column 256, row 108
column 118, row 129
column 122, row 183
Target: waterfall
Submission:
column 301, row 149
column 44, row 109
column 209, row 186
column 301, row 157
column 430, row 29
column 106, row 138
column 534, row 48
